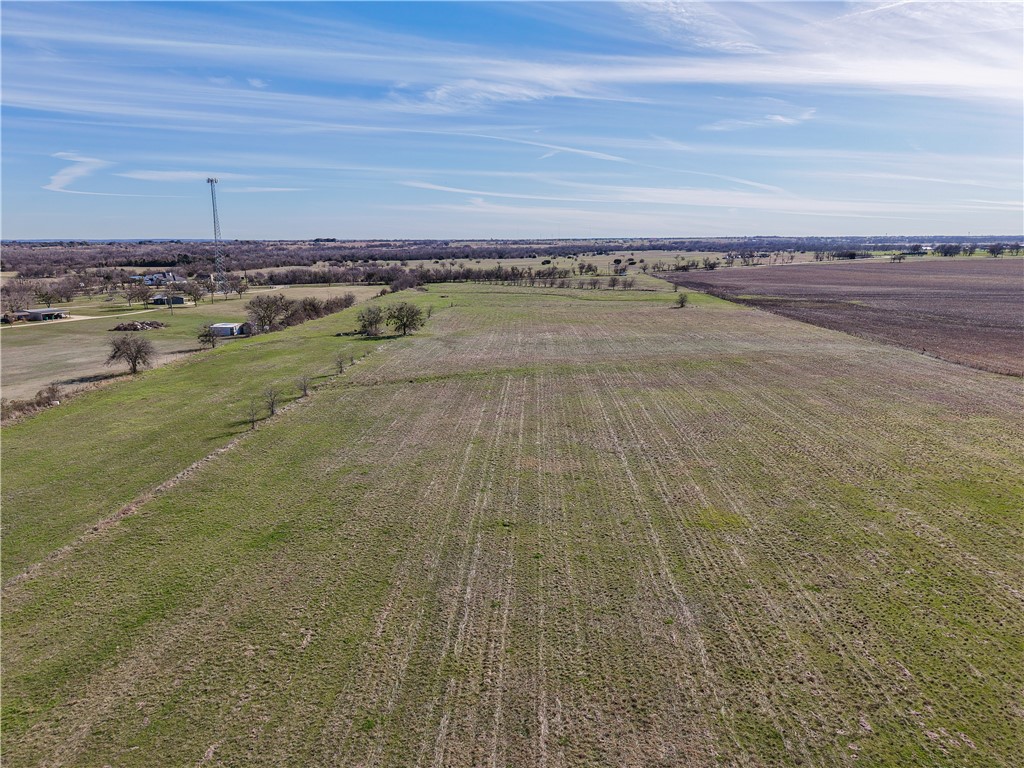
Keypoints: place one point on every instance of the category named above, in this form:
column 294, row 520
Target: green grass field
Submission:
column 73, row 352
column 555, row 527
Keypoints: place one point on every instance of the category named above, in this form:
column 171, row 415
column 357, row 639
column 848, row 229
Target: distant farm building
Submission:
column 159, row 278
column 44, row 314
column 231, row 329
column 161, row 298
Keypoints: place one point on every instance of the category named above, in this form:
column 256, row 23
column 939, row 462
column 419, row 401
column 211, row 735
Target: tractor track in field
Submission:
column 132, row 507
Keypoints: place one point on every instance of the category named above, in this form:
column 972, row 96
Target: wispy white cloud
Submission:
column 604, row 122
column 81, row 167
column 944, row 50
column 265, row 189
column 763, row 121
column 699, row 198
column 176, row 176
column 555, row 148
column 701, row 24
column 961, row 181
column 481, row 193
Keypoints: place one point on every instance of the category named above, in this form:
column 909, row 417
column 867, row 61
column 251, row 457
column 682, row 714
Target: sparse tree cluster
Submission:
column 404, row 317
column 267, row 312
column 138, row 292
column 17, row 295
column 236, row 284
column 271, row 312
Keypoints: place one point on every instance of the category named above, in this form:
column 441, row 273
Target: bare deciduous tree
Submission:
column 206, row 336
column 266, row 312
column 194, row 290
column 271, row 397
column 253, row 412
column 137, row 291
column 237, row 284
column 135, row 351
column 46, row 294
column 304, row 381
column 17, row 295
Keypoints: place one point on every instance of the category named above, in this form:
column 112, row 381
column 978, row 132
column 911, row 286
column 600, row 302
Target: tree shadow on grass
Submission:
column 94, row 378
column 360, row 337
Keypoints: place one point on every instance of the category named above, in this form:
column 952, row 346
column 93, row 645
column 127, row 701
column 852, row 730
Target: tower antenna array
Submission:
column 218, row 259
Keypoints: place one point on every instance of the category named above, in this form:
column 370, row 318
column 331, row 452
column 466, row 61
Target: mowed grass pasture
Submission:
column 72, row 352
column 555, row 527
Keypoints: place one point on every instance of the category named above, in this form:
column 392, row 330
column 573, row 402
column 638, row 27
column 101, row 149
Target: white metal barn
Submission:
column 231, row 329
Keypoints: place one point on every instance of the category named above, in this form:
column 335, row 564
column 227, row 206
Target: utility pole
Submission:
column 218, row 260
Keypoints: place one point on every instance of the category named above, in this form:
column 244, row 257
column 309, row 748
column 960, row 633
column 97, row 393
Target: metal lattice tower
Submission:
column 218, row 258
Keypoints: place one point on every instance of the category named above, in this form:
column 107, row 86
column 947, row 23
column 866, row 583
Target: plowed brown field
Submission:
column 565, row 529
column 965, row 311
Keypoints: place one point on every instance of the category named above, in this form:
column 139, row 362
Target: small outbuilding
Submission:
column 165, row 300
column 231, row 329
column 45, row 314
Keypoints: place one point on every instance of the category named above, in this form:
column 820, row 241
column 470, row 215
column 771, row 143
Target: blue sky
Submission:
column 511, row 119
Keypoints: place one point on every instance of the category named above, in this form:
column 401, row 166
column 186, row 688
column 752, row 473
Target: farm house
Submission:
column 159, row 278
column 231, row 329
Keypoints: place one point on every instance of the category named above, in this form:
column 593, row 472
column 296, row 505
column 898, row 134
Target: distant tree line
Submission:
column 53, row 259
